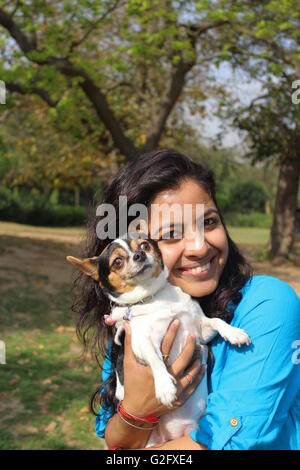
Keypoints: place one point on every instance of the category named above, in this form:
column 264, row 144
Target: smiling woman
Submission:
column 191, row 259
column 254, row 398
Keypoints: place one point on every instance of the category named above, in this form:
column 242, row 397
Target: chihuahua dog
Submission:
column 133, row 276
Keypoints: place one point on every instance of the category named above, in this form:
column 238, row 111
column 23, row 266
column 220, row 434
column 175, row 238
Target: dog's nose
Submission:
column 139, row 256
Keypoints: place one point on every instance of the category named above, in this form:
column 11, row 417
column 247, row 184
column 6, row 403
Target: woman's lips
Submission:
column 198, row 271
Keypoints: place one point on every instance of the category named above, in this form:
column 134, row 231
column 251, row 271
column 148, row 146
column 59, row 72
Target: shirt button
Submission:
column 234, row 422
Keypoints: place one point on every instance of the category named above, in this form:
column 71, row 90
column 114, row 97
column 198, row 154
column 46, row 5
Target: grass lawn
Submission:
column 45, row 384
column 249, row 235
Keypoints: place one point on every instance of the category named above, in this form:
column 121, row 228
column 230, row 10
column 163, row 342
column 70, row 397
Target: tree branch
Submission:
column 22, row 40
column 271, row 43
column 14, row 87
column 12, row 14
column 93, row 26
column 258, row 98
column 91, row 90
column 176, row 84
column 177, row 81
column 197, row 30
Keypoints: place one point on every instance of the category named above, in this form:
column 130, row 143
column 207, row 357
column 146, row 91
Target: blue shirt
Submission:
column 254, row 391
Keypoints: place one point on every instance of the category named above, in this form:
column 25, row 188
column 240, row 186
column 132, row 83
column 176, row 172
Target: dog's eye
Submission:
column 145, row 246
column 118, row 262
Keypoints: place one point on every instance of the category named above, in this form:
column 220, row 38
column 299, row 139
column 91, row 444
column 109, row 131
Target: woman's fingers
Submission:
column 128, row 353
column 184, row 358
column 186, row 386
column 169, row 338
column 190, row 376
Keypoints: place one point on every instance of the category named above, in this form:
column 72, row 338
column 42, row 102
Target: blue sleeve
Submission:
column 256, row 385
column 104, row 413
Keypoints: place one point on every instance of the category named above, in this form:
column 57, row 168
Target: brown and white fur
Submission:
column 133, row 276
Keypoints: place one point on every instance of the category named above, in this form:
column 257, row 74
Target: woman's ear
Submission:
column 88, row 266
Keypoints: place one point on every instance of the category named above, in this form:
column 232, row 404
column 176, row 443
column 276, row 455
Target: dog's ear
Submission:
column 87, row 265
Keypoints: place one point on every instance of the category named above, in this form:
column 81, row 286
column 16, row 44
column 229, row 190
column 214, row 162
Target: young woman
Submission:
column 254, row 392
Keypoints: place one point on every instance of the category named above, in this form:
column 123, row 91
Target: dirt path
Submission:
column 61, row 235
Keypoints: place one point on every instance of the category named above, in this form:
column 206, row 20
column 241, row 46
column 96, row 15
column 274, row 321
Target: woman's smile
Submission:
column 197, row 269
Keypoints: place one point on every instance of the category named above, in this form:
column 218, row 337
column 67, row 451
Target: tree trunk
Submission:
column 284, row 219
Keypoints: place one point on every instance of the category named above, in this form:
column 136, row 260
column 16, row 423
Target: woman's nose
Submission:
column 196, row 244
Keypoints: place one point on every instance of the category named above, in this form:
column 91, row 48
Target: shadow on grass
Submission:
column 45, row 383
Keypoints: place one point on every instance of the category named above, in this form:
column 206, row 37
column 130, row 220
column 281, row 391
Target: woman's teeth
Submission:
column 200, row 269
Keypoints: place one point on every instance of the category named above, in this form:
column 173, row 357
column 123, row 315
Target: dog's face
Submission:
column 123, row 265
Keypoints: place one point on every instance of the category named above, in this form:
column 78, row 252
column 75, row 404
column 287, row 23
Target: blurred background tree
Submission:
column 110, row 62
column 266, row 46
column 104, row 81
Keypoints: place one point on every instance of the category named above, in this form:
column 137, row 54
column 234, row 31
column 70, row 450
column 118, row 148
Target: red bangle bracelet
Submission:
column 115, row 448
column 144, row 419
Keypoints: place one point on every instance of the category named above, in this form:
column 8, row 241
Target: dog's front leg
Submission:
column 211, row 326
column 120, row 329
column 165, row 389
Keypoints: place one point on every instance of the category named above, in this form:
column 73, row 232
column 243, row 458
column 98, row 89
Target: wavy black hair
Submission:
column 141, row 180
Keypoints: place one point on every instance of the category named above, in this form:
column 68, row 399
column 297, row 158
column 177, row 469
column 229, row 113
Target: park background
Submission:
column 91, row 85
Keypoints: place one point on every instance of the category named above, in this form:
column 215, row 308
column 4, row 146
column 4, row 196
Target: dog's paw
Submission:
column 165, row 389
column 235, row 336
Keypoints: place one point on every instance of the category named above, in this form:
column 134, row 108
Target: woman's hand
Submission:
column 139, row 398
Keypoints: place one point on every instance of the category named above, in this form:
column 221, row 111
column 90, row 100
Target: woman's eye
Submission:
column 144, row 246
column 172, row 235
column 210, row 222
column 118, row 262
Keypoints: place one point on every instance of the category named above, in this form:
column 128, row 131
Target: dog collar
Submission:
column 145, row 300
column 128, row 315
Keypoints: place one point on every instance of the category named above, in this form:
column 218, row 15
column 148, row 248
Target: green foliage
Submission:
column 254, row 219
column 257, row 183
column 6, row 199
column 34, row 208
column 5, row 161
column 129, row 52
column 223, row 202
column 126, row 49
column 248, row 197
column 54, row 197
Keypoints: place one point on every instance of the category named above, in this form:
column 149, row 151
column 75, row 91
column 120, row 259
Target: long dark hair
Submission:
column 141, row 181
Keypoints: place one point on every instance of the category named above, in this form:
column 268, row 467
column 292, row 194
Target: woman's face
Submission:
column 195, row 261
